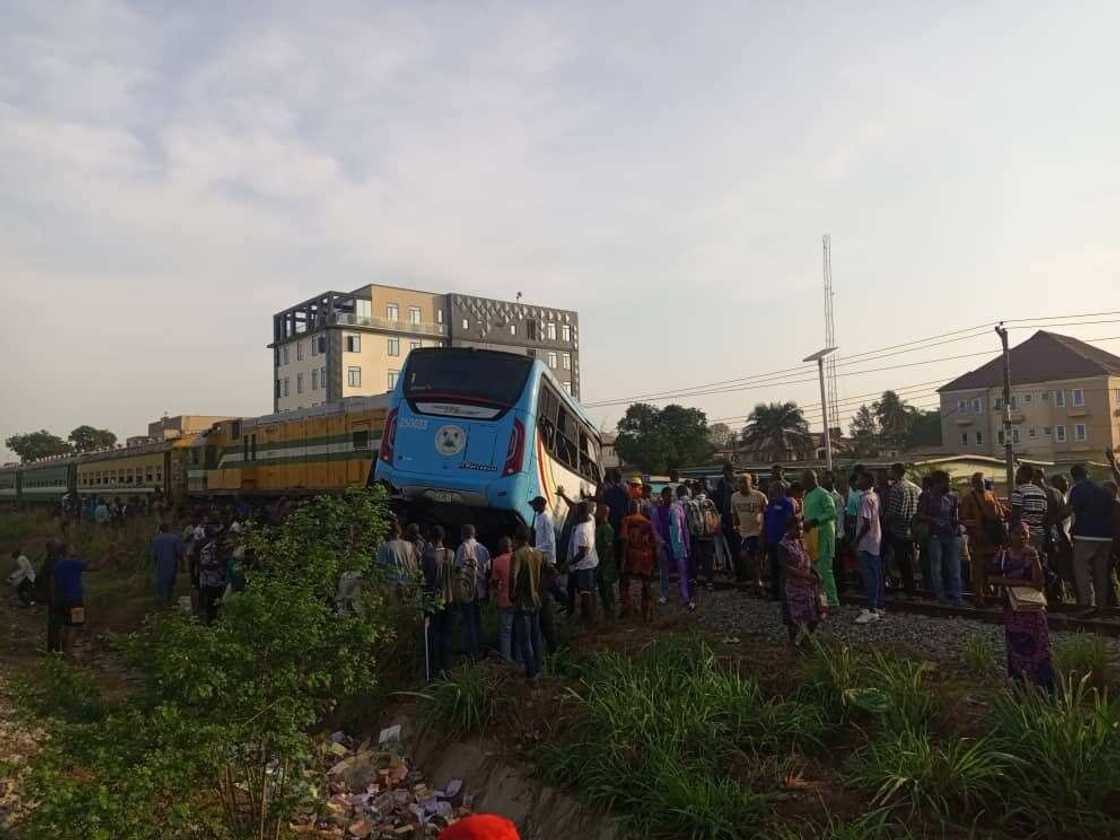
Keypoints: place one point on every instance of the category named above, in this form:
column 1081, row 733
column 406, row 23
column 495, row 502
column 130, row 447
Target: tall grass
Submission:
column 939, row 778
column 980, row 656
column 657, row 734
column 1068, row 751
column 465, row 702
column 874, row 825
column 1084, row 655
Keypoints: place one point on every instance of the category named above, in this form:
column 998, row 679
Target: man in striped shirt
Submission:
column 1028, row 504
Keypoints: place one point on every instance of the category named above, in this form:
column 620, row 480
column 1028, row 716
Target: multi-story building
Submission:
column 345, row 344
column 1065, row 402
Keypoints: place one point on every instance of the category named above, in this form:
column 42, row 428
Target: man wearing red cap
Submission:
column 481, row 827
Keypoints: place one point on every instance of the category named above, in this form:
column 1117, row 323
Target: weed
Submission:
column 980, row 656
column 874, row 825
column 832, row 674
column 1068, row 751
column 939, row 778
column 62, row 692
column 465, row 702
column 911, row 705
column 1083, row 655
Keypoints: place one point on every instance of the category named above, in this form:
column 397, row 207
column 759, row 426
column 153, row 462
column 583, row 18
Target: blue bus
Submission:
column 474, row 435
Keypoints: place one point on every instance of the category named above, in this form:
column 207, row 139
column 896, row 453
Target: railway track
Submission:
column 1062, row 617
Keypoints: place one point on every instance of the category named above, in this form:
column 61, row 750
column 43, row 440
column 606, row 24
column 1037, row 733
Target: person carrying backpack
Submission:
column 469, row 587
column 704, row 525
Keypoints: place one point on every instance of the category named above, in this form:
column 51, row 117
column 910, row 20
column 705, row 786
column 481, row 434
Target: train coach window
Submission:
column 236, row 432
column 253, row 448
column 245, row 448
column 361, row 439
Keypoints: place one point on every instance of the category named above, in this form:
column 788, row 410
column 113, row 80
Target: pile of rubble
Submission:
column 371, row 792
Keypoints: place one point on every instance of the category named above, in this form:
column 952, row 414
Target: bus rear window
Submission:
column 469, row 375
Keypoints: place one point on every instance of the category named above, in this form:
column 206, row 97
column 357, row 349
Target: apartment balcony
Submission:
column 347, row 319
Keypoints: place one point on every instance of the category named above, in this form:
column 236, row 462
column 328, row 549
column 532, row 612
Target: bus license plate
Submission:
column 446, row 496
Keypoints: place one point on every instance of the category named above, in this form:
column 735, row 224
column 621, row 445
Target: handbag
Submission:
column 1025, row 599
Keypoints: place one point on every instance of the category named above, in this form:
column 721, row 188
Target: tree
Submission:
column 721, row 436
column 777, row 431
column 865, row 433
column 925, row 430
column 661, row 439
column 895, row 419
column 35, row 445
column 87, row 439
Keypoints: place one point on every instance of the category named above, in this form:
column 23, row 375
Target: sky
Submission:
column 172, row 174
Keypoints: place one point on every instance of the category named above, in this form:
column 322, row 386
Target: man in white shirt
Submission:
column 869, row 539
column 544, row 531
column 23, row 578
column 583, row 560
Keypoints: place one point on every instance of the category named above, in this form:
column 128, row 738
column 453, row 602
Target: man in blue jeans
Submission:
column 941, row 510
column 869, row 544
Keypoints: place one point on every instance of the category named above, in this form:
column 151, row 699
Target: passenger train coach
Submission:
column 475, row 435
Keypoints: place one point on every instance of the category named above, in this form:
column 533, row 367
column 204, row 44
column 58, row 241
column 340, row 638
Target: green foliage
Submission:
column 980, row 656
column 223, row 711
column 88, row 439
column 662, row 439
column 466, row 701
column 864, row 430
column 874, row 825
column 657, row 733
column 1084, row 655
column 1068, row 751
column 62, row 692
column 35, row 445
column 942, row 779
column 778, row 431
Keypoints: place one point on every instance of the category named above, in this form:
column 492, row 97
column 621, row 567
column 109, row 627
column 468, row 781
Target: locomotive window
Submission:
column 245, row 448
column 236, row 429
column 361, row 439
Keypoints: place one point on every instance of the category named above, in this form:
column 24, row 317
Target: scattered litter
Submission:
column 375, row 794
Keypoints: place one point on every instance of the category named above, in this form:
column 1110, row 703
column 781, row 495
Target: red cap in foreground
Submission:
column 481, row 827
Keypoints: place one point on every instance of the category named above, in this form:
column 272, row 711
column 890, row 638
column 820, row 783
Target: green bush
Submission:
column 62, row 692
column 216, row 742
column 465, row 702
column 939, row 778
column 1084, row 655
column 874, row 825
column 1068, row 751
column 980, row 656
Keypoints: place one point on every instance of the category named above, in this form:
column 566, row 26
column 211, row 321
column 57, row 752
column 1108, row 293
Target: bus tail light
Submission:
column 388, row 436
column 516, row 452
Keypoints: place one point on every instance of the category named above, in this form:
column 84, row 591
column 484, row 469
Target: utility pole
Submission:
column 819, row 358
column 1008, row 449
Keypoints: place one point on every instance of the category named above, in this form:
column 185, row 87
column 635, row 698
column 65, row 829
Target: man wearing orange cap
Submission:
column 481, row 827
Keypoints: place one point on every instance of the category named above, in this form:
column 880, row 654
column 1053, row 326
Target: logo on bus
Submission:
column 450, row 440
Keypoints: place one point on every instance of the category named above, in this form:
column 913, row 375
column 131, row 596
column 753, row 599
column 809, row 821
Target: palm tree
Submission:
column 778, row 431
column 895, row 418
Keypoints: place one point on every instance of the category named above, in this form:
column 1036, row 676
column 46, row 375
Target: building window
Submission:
column 979, row 438
column 978, row 406
column 299, row 351
column 414, row 345
column 353, row 344
column 964, row 438
column 552, row 361
column 363, row 308
column 466, row 324
column 278, row 387
column 286, row 385
column 997, row 404
column 284, row 354
column 1001, row 436
column 1076, row 397
column 1046, row 396
column 1014, row 400
column 299, row 383
column 531, row 330
column 1027, row 397
column 1060, row 432
column 414, row 314
column 354, row 377
column 1080, row 432
column 394, row 347
column 962, row 406
column 550, row 330
column 567, row 388
column 314, row 345
column 394, row 375
column 565, row 332
column 1060, row 399
column 323, row 378
column 393, row 312
column 1032, row 432
column 566, row 361
column 513, row 329
column 1047, row 431
column 315, row 379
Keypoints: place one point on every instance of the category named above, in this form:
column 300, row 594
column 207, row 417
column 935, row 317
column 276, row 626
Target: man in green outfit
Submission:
column 820, row 517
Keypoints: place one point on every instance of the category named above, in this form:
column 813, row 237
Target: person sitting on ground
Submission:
column 801, row 585
column 1026, row 632
column 23, row 578
column 639, row 553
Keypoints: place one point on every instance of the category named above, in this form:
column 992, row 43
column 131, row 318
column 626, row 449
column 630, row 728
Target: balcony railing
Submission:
column 425, row 328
